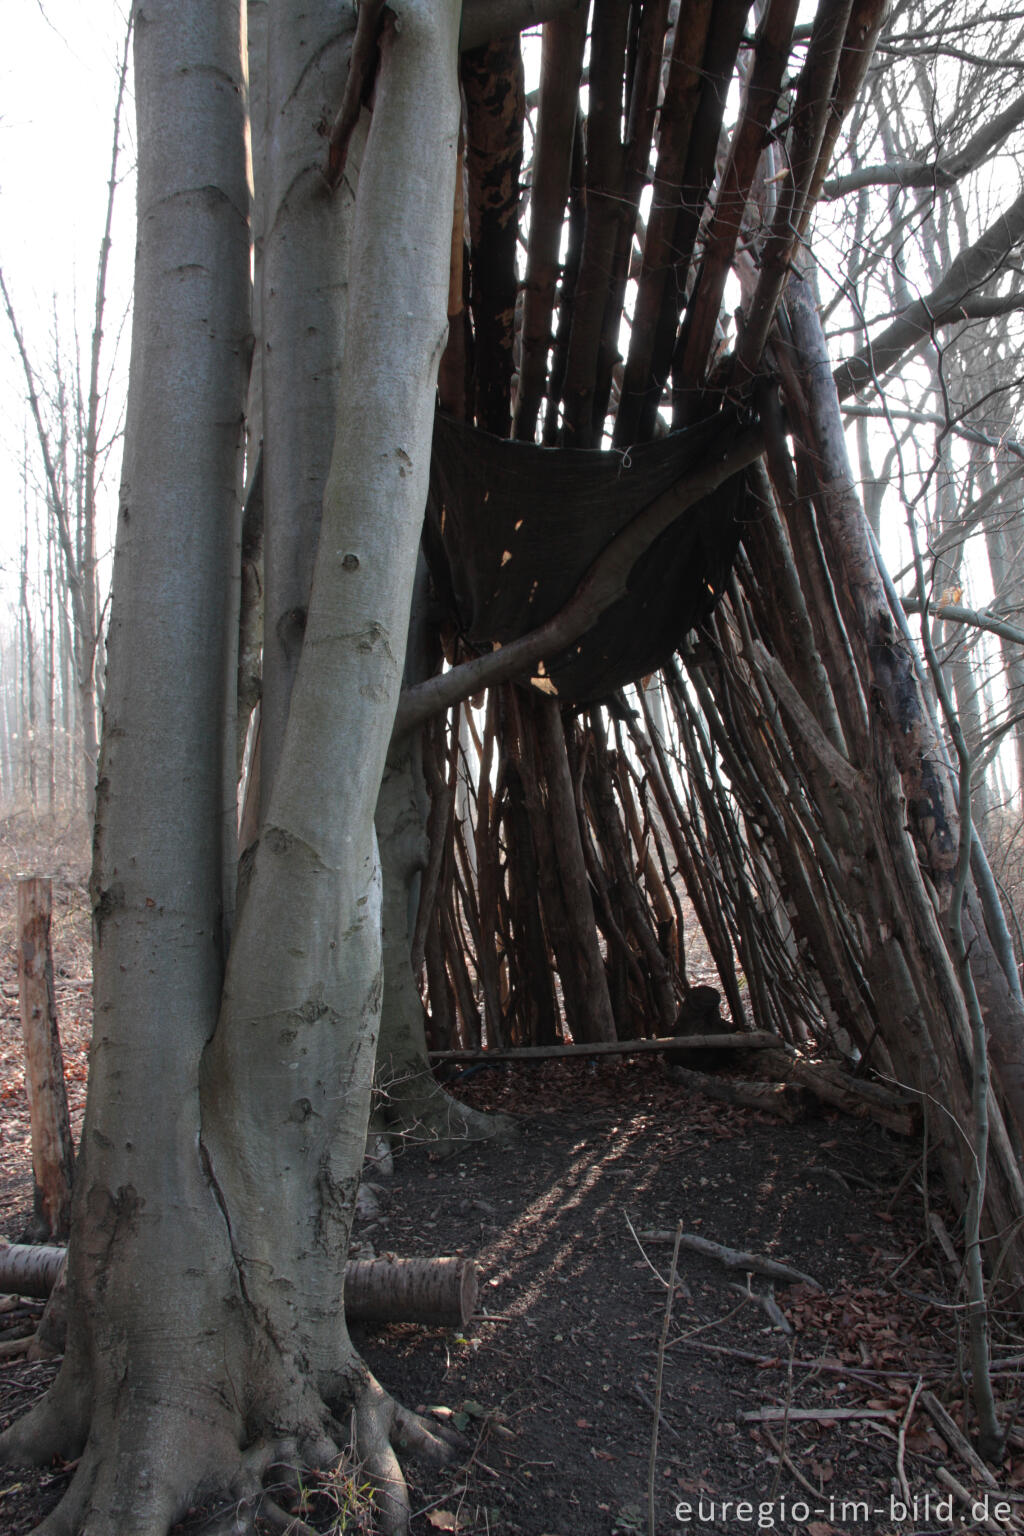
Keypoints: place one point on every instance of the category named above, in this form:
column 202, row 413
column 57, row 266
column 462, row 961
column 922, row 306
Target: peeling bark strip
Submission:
column 52, row 1150
column 361, row 71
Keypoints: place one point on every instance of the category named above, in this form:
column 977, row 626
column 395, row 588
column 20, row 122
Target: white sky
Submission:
column 58, row 82
column 58, row 78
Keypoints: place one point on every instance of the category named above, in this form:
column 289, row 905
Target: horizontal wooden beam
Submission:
column 752, row 1040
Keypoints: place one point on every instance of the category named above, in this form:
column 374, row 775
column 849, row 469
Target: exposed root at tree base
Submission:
column 378, row 1423
column 279, row 1474
column 144, row 1479
column 417, row 1110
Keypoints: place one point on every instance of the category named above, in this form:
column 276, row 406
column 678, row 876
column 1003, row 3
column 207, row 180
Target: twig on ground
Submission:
column 766, row 1301
column 785, row 1460
column 907, row 1259
column 814, row 1415
column 642, row 1396
column 901, row 1443
column 944, row 1240
column 785, row 1421
column 714, row 1322
column 659, row 1377
column 735, row 1258
column 901, row 1186
column 955, row 1439
column 860, row 1373
column 633, row 1233
column 947, row 1479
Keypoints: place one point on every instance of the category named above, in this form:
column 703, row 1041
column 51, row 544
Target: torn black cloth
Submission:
column 512, row 529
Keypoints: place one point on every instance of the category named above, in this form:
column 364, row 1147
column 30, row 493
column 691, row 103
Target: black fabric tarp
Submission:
column 512, row 528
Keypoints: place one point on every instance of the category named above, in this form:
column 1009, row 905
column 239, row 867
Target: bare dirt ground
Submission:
column 783, row 1407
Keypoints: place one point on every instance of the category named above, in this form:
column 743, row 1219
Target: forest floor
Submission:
column 783, row 1407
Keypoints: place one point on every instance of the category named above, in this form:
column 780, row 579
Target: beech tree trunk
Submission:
column 146, row 1221
column 227, row 1111
column 303, row 281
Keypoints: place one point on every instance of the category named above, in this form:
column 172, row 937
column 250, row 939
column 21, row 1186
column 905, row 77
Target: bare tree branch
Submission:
column 970, row 271
column 978, row 618
column 943, row 172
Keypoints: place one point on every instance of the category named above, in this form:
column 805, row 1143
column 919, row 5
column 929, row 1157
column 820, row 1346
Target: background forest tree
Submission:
column 704, row 705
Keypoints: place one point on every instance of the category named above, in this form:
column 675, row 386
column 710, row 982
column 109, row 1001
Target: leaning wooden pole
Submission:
column 52, row 1149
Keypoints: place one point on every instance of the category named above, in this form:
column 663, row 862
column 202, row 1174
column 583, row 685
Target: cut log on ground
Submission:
column 438, row 1292
column 52, row 1147
column 27, row 1269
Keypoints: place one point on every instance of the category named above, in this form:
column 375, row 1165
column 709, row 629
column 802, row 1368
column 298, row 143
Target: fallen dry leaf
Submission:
column 442, row 1519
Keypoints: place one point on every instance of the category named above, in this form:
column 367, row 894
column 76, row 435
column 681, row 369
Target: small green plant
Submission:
column 338, row 1500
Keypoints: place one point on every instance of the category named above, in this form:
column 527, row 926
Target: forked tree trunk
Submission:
column 287, row 1076
column 213, row 1210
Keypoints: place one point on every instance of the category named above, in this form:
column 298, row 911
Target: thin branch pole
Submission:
column 990, row 1437
column 561, row 64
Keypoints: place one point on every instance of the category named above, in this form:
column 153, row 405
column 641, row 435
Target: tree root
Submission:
column 67, row 1518
column 281, row 1520
column 415, row 1107
column 125, row 1481
column 378, row 1421
column 241, row 1519
column 56, row 1425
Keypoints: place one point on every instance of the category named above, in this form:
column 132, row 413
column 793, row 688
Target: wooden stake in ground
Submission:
column 52, row 1150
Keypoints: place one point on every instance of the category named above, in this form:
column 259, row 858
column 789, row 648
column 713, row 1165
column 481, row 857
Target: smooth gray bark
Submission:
column 146, row 1224
column 288, row 1074
column 227, row 1116
column 304, row 299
